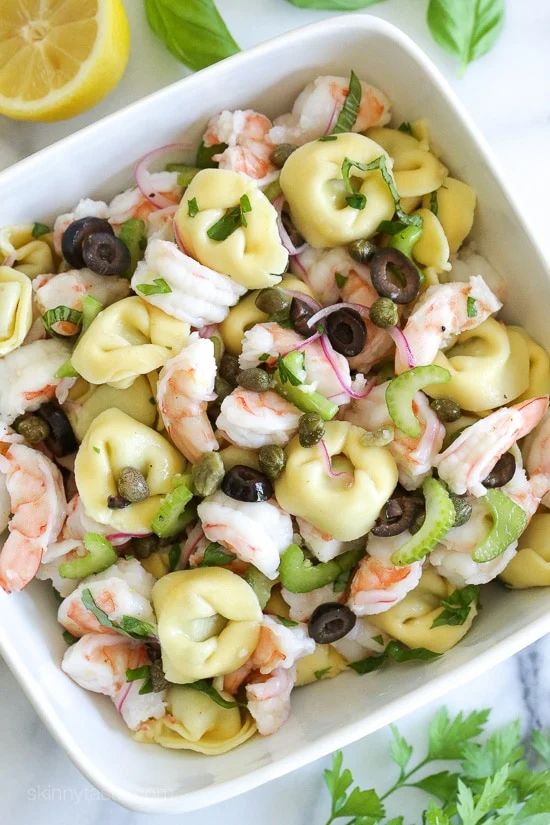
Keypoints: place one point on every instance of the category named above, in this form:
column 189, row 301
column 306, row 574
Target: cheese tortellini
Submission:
column 127, row 339
column 530, row 567
column 86, row 401
column 113, row 441
column 539, row 368
column 27, row 254
column 208, row 622
column 252, row 254
column 456, row 203
column 432, row 248
column 416, row 171
column 196, row 723
column 345, row 507
column 489, row 367
column 15, row 308
column 313, row 185
column 411, row 620
column 324, row 663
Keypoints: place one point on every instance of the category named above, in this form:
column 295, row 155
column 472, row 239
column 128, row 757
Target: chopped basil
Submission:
column 471, row 307
column 69, row 638
column 143, row 672
column 356, row 201
column 216, row 556
column 341, row 280
column 232, row 220
column 63, row 314
column 396, row 651
column 264, row 356
column 391, row 227
column 320, row 674
column 40, row 229
column 286, row 622
column 158, row 287
column 192, row 207
column 128, row 625
column 456, row 608
column 206, row 153
column 433, row 203
column 378, row 164
column 326, row 138
column 205, row 686
column 350, row 109
column 405, row 127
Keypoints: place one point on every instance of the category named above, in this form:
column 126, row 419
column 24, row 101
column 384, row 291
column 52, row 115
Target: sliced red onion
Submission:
column 303, row 271
column 303, row 296
column 119, row 538
column 328, row 463
column 286, row 240
column 119, row 704
column 143, row 176
column 332, row 120
column 398, row 337
column 360, row 308
column 330, row 355
column 305, row 343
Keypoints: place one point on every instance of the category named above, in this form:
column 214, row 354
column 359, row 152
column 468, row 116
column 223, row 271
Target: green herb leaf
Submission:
column 341, row 280
column 286, row 374
column 356, row 201
column 467, row 29
column 69, row 638
column 158, row 287
column 63, row 314
column 174, row 555
column 135, row 673
column 541, row 744
column 245, row 206
column 456, row 608
column 206, row 153
column 320, row 674
column 391, row 227
column 215, row 556
column 400, row 749
column 327, row 138
column 369, row 664
column 502, row 748
column 194, row 31
column 447, row 737
column 435, row 816
column 334, row 5
column 132, row 234
column 265, row 356
column 350, row 109
column 192, row 207
column 471, row 307
column 401, row 653
column 39, row 229
column 205, row 686
column 405, row 127
column 287, row 622
column 474, row 810
column 231, row 221
column 378, row 164
column 434, row 207
column 128, row 625
column 442, row 785
column 362, row 803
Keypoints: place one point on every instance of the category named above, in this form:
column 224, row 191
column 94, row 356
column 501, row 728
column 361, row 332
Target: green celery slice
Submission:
column 401, row 391
column 293, row 391
column 440, row 517
column 99, row 557
column 509, row 522
column 405, row 239
column 173, row 514
column 299, row 575
column 260, row 584
column 132, row 234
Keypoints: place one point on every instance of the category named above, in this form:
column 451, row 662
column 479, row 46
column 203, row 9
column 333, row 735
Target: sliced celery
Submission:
column 289, row 382
column 132, row 233
column 174, row 514
column 400, row 393
column 509, row 522
column 99, row 557
column 299, row 575
column 440, row 517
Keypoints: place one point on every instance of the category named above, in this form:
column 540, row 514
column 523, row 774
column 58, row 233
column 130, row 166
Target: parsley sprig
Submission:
column 486, row 783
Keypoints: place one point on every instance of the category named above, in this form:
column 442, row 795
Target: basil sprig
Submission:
column 205, row 686
column 396, row 651
column 216, row 556
column 232, row 220
column 128, row 625
column 350, row 109
column 61, row 313
column 456, row 608
column 39, row 229
column 158, row 287
column 194, row 31
column 355, row 199
column 466, row 28
column 143, row 672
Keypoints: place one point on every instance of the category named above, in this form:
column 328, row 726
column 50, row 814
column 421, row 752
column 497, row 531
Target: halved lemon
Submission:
column 59, row 57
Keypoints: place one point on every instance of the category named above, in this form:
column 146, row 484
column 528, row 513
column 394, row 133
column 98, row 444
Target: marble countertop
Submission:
column 508, row 94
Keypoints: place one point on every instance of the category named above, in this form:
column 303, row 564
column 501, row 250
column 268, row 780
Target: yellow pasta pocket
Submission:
column 432, row 249
column 127, row 339
column 319, row 190
column 112, row 442
column 86, row 401
column 15, row 308
column 530, row 567
column 27, row 254
column 456, row 203
column 346, row 506
column 228, row 224
column 416, row 171
column 208, row 622
column 196, row 723
column 411, row 620
column 539, row 367
column 489, row 367
column 324, row 663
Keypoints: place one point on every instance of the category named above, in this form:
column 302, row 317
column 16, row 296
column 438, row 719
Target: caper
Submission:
column 272, row 301
column 207, row 474
column 143, row 546
column 281, row 154
column 229, row 368
column 311, row 429
column 132, row 484
column 361, row 250
column 255, row 379
column 222, row 388
column 383, row 313
column 272, row 460
column 445, row 409
column 463, row 509
column 32, row 428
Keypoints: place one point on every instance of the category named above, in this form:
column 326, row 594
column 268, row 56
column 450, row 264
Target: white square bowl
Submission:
column 96, row 162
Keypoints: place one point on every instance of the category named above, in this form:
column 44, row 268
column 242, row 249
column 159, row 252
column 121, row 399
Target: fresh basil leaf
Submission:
column 356, row 201
column 350, row 109
column 215, row 556
column 89, row 602
column 135, row 673
column 192, row 207
column 69, row 638
column 405, row 127
column 334, row 5
column 471, row 307
column 245, row 207
column 287, row 622
column 206, row 153
column 447, row 737
column 378, row 164
column 400, row 653
column 39, row 229
column 368, row 665
column 61, row 314
column 194, row 31
column 265, row 356
column 391, row 227
column 204, row 686
column 320, row 674
column 456, row 608
column 232, row 220
column 136, row 628
column 327, row 138
column 467, row 29
column 434, row 207
column 158, row 287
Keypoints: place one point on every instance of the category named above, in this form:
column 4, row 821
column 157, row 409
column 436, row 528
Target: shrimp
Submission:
column 469, row 262
column 124, row 589
column 378, row 584
column 302, row 605
column 268, row 699
column 38, row 505
column 257, row 532
column 69, row 288
column 132, row 203
column 414, row 456
column 27, row 377
column 185, row 386
column 197, row 295
column 323, row 546
column 99, row 661
column 444, row 311
column 249, row 148
column 85, row 208
column 469, row 459
column 317, row 107
column 363, row 639
column 537, row 454
column 358, row 289
column 254, row 419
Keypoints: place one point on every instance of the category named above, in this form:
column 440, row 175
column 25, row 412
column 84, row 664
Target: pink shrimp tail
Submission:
column 19, row 563
column 533, row 410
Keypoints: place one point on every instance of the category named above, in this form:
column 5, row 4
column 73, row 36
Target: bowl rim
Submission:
column 434, row 688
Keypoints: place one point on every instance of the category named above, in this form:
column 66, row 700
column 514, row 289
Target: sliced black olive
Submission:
column 75, row 235
column 398, row 515
column 117, row 502
column 394, row 275
column 62, row 440
column 245, row 484
column 330, row 622
column 105, row 254
column 502, row 472
column 347, row 332
column 299, row 315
